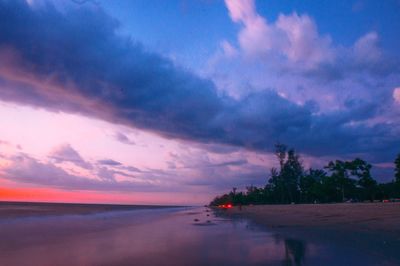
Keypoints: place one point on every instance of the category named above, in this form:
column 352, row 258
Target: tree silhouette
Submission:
column 339, row 173
column 280, row 152
column 361, row 169
column 291, row 173
column 311, row 185
column 290, row 183
column 397, row 169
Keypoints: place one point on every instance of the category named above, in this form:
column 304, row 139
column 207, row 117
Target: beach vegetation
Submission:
column 397, row 169
column 338, row 181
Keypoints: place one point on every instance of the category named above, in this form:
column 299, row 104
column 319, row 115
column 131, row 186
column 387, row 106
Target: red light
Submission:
column 225, row 206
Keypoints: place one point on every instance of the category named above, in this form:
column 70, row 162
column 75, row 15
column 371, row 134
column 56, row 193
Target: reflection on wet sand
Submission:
column 295, row 251
column 148, row 237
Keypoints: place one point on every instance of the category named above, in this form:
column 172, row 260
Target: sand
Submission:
column 362, row 217
column 372, row 228
column 155, row 237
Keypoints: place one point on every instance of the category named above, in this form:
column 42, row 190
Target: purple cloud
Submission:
column 123, row 138
column 90, row 69
column 65, row 153
column 26, row 169
column 109, row 162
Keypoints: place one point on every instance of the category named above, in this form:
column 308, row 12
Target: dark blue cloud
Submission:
column 75, row 61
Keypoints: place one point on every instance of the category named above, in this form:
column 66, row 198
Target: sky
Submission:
column 174, row 102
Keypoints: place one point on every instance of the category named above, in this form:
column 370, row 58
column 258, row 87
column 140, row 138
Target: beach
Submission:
column 86, row 234
column 362, row 217
column 372, row 227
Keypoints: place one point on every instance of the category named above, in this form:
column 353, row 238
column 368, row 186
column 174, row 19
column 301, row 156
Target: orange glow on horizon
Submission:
column 57, row 195
column 107, row 197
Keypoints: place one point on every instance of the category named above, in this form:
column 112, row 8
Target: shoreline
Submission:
column 362, row 217
column 14, row 209
column 372, row 227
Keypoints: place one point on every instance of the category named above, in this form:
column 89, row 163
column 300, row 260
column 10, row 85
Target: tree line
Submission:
column 339, row 181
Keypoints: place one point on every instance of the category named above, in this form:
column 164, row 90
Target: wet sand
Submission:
column 37, row 234
column 169, row 236
column 9, row 210
column 373, row 228
column 362, row 217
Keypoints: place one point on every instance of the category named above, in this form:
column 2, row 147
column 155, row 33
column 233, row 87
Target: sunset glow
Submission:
column 99, row 105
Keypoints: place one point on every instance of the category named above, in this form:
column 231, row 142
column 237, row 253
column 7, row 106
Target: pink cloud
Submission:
column 241, row 10
column 198, row 173
column 396, row 95
column 304, row 44
column 256, row 37
column 294, row 36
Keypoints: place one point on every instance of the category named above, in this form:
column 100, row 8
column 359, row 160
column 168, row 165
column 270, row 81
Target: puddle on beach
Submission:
column 157, row 237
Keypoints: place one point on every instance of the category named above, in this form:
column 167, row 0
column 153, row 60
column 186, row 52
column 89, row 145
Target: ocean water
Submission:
column 168, row 236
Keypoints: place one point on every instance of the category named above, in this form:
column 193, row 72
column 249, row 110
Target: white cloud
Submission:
column 304, row 44
column 241, row 10
column 294, row 36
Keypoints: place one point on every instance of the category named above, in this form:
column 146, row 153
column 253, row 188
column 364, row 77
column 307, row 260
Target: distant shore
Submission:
column 9, row 210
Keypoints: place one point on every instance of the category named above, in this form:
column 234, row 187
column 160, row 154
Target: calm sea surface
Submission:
column 171, row 236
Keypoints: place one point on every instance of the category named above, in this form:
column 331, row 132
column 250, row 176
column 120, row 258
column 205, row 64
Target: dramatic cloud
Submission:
column 347, row 91
column 115, row 79
column 108, row 76
column 74, row 60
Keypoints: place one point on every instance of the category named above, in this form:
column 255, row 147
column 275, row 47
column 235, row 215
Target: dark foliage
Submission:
column 340, row 181
column 397, row 169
